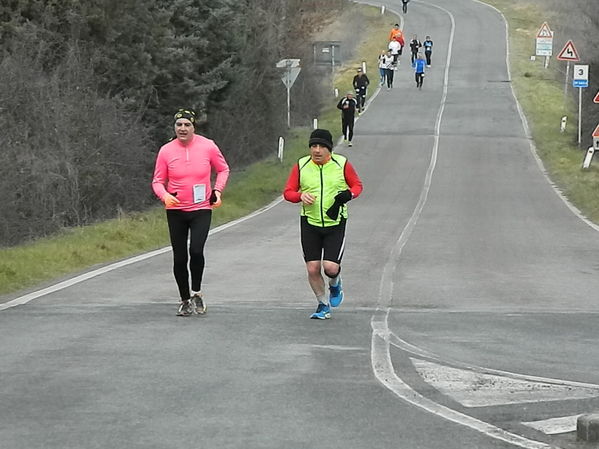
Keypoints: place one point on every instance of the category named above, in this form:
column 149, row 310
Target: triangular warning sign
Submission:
column 545, row 31
column 568, row 53
column 596, row 132
column 596, row 99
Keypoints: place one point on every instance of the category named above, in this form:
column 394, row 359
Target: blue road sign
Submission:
column 580, row 83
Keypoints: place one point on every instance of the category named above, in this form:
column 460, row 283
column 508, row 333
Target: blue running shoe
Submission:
column 323, row 312
column 336, row 294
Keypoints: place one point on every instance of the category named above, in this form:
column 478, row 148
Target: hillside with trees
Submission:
column 89, row 89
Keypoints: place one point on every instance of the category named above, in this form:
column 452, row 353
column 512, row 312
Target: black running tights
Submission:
column 347, row 127
column 196, row 225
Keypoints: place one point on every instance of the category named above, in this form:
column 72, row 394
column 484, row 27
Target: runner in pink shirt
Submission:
column 182, row 181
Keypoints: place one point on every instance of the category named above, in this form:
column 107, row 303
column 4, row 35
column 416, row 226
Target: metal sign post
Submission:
column 292, row 70
column 581, row 81
column 566, row 83
column 332, row 60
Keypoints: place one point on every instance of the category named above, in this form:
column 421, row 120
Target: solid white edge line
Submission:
column 380, row 347
column 528, row 133
column 85, row 276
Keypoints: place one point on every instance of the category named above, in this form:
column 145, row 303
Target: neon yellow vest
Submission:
column 324, row 182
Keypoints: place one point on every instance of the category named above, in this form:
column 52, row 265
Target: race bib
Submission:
column 199, row 193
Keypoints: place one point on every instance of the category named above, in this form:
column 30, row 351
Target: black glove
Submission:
column 340, row 199
column 343, row 197
column 213, row 198
column 333, row 211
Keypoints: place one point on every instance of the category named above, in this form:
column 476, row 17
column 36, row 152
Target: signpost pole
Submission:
column 333, row 60
column 288, row 85
column 579, row 115
column 566, row 85
column 289, row 107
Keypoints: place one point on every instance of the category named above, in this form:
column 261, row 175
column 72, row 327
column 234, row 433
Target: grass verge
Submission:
column 79, row 249
column 541, row 94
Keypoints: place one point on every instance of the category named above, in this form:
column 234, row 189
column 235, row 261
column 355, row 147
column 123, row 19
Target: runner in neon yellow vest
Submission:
column 323, row 182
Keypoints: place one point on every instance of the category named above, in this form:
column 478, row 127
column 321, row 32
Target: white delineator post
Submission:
column 281, row 148
column 588, row 158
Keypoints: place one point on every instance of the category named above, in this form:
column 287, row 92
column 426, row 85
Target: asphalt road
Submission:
column 470, row 311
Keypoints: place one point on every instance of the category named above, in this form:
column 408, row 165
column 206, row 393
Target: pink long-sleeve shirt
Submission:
column 181, row 167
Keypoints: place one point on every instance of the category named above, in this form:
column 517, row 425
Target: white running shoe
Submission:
column 198, row 306
column 185, row 308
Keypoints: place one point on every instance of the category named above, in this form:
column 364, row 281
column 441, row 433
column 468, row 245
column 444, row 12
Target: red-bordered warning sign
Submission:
column 545, row 31
column 568, row 53
column 596, row 99
column 596, row 132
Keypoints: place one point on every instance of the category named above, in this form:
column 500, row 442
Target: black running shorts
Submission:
column 322, row 243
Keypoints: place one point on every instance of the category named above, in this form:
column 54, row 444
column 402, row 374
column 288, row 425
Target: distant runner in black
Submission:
column 428, row 50
column 360, row 83
column 415, row 48
column 347, row 105
column 405, row 5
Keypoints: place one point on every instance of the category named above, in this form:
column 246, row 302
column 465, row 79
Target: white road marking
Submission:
column 405, row 346
column 339, row 348
column 555, row 426
column 382, row 365
column 474, row 389
column 85, row 276
column 385, row 373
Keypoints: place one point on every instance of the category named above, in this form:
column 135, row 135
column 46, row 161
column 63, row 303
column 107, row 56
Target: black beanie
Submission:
column 189, row 114
column 323, row 137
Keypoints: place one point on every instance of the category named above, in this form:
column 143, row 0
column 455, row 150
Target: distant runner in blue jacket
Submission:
column 419, row 65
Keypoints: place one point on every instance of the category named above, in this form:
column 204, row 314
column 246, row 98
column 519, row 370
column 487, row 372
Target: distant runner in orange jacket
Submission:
column 397, row 35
